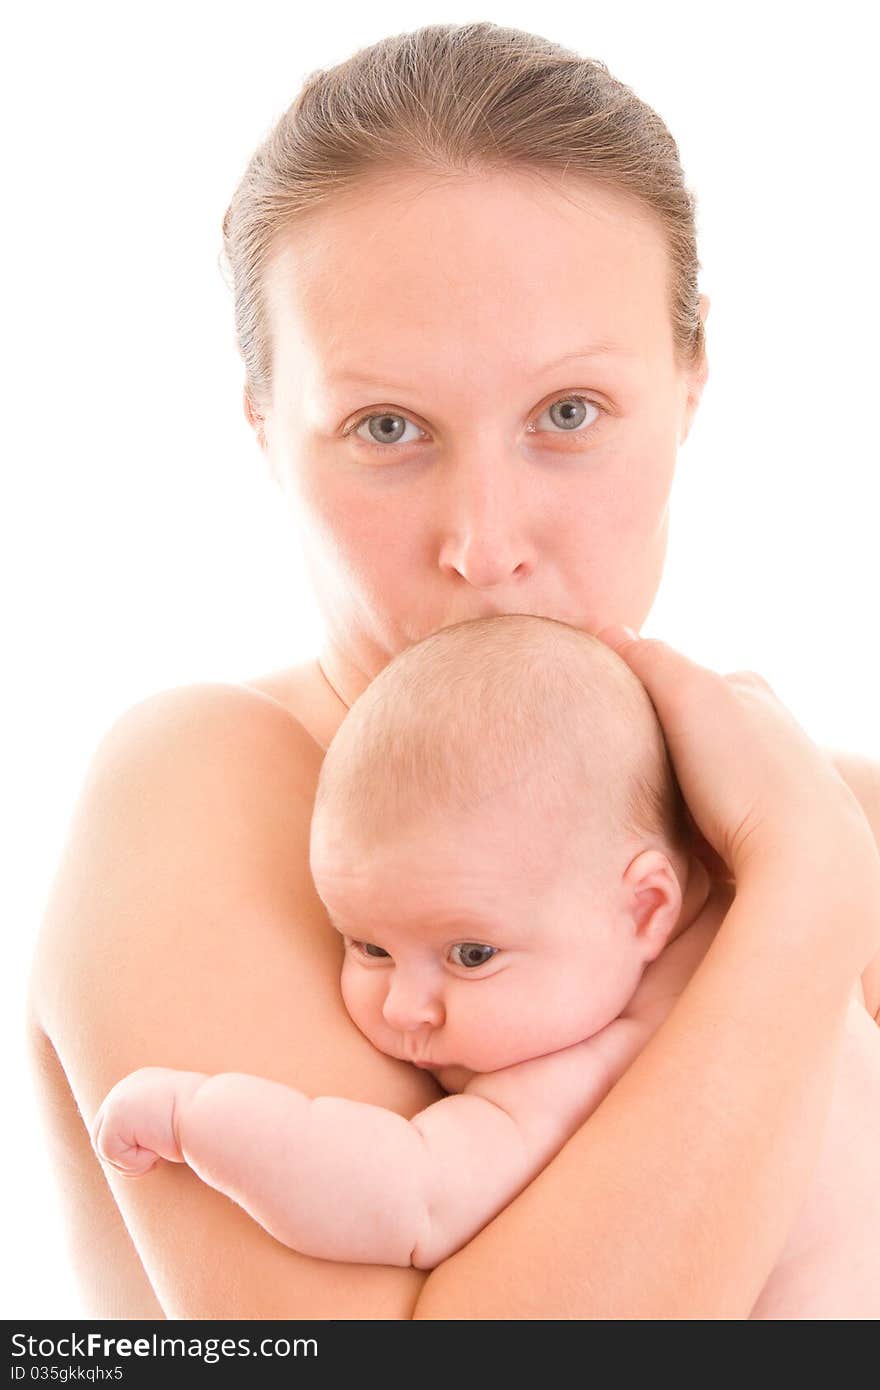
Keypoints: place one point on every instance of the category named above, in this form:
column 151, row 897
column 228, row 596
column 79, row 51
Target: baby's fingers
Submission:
column 136, row 1123
column 115, row 1141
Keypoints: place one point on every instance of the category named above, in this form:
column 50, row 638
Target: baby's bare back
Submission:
column 830, row 1267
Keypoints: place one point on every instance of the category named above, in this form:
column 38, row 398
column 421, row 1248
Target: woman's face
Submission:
column 429, row 338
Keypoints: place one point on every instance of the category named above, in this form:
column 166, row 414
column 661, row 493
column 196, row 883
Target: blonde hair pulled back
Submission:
column 450, row 100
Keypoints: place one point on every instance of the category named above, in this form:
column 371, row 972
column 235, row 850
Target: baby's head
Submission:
column 500, row 840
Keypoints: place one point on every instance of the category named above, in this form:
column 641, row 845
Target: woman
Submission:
column 466, row 297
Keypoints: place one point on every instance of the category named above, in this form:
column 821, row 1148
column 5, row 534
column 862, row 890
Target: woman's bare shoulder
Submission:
column 196, row 716
column 202, row 791
column 862, row 775
column 183, row 929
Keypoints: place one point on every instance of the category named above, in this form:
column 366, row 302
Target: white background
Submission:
column 143, row 543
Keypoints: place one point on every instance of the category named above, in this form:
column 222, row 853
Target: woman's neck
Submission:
column 343, row 676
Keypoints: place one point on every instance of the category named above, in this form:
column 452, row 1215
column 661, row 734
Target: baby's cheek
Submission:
column 349, row 987
column 527, row 1024
column 361, row 994
column 490, row 1036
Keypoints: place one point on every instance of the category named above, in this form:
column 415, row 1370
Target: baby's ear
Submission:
column 652, row 900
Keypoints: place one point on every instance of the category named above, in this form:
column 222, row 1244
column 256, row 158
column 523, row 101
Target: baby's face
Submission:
column 471, row 941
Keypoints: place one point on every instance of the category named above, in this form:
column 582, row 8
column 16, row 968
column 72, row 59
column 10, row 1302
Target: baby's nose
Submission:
column 411, row 1004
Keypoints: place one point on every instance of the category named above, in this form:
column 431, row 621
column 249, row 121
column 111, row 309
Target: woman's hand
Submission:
column 749, row 774
column 757, row 787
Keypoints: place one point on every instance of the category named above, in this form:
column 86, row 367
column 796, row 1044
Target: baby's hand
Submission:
column 138, row 1120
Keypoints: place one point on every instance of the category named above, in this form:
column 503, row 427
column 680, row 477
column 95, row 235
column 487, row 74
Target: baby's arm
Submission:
column 487, row 1143
column 343, row 1180
column 333, row 1178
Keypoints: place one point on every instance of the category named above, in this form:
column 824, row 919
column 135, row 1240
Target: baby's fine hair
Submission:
column 478, row 709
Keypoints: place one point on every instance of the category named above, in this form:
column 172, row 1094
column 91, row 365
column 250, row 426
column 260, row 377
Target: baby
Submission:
column 500, row 842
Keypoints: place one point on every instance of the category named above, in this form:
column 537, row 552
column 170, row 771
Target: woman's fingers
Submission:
column 751, row 678
column 664, row 672
column 748, row 771
column 660, row 663
column 758, row 789
column 689, row 700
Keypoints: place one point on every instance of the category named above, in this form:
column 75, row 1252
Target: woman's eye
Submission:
column 366, row 948
column 384, row 430
column 573, row 414
column 472, row 954
column 569, row 413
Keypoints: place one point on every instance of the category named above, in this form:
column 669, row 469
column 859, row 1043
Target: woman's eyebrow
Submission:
column 605, row 348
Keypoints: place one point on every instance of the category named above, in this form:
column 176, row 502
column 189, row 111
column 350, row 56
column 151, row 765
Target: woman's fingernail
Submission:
column 615, row 634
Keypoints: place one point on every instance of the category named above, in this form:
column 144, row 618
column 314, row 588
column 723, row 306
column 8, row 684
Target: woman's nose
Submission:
column 411, row 1004
column 486, row 523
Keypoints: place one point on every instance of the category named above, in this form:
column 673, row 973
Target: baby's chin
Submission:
column 476, row 1061
column 488, row 1054
column 477, row 1055
column 473, row 1062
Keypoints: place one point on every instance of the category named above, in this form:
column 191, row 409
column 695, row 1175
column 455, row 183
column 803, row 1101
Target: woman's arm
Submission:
column 183, row 930
column 675, row 1199
column 862, row 776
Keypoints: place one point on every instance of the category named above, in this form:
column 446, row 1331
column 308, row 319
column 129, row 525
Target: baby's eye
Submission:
column 366, row 948
column 473, row 954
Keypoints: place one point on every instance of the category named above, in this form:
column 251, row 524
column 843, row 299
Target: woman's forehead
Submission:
column 515, row 266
